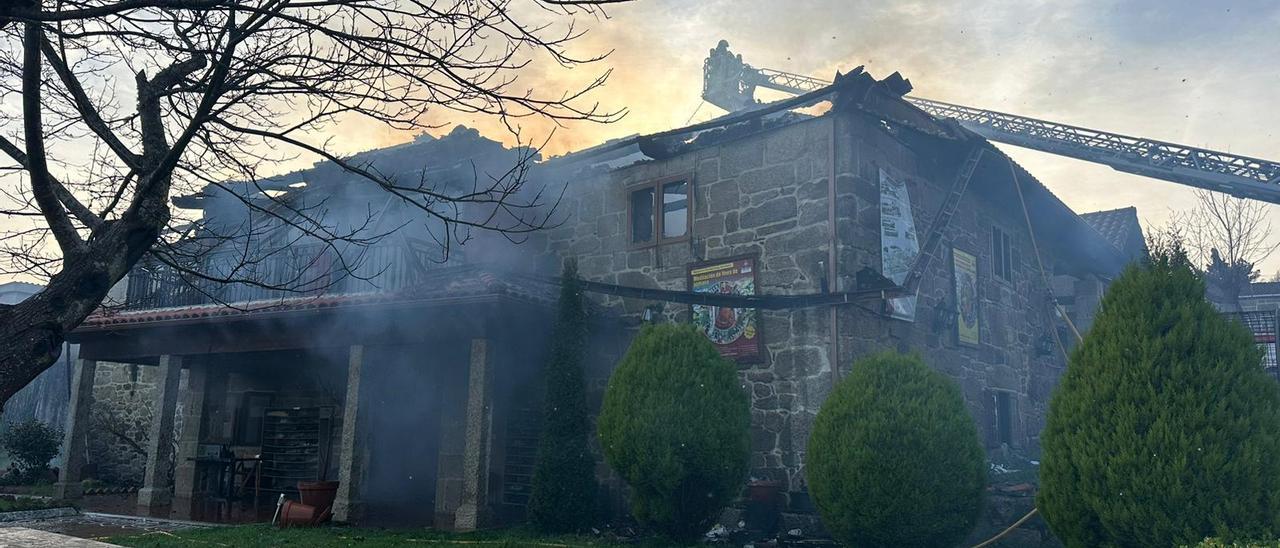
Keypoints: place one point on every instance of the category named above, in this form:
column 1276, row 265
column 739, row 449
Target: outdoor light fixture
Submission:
column 652, row 313
column 1045, row 345
column 944, row 317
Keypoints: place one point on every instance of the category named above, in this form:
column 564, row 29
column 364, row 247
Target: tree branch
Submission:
column 41, row 185
column 77, row 208
column 86, row 108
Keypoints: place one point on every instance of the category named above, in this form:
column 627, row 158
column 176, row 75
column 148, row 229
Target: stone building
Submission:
column 797, row 242
column 762, row 189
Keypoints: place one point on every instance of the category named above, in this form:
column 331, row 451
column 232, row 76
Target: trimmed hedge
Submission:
column 564, row 480
column 674, row 425
column 1164, row 429
column 894, row 458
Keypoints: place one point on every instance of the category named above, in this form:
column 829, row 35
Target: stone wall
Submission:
column 124, row 402
column 766, row 195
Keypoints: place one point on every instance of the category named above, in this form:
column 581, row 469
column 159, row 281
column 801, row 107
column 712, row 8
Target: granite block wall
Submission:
column 766, row 195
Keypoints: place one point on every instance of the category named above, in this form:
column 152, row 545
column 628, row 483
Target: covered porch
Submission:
column 422, row 409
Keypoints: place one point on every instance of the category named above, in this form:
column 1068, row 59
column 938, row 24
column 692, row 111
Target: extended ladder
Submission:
column 729, row 83
column 942, row 220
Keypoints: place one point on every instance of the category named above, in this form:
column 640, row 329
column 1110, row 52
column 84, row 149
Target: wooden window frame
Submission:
column 656, row 185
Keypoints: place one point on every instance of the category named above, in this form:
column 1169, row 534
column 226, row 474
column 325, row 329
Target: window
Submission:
column 642, row 216
column 675, row 209
column 660, row 212
column 1002, row 255
column 1004, row 418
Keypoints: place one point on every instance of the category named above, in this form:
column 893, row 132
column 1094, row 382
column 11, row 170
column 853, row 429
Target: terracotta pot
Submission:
column 765, row 491
column 318, row 493
column 297, row 514
column 763, row 506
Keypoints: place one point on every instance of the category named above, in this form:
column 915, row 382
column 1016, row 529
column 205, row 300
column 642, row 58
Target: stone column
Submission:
column 76, row 433
column 155, row 491
column 475, row 455
column 184, row 473
column 348, row 506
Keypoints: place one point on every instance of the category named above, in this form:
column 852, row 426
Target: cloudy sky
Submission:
column 1202, row 73
column 1199, row 73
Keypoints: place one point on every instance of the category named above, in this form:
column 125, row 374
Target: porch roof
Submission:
column 440, row 287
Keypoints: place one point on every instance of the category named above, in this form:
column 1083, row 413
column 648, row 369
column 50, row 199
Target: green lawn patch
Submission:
column 323, row 537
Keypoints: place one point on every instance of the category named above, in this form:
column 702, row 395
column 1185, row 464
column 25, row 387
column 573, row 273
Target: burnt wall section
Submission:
column 766, row 195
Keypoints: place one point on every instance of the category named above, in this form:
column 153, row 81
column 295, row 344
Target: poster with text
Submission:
column 898, row 245
column 965, row 267
column 734, row 331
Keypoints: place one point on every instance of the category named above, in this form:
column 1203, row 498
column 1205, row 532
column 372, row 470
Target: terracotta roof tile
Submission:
column 440, row 285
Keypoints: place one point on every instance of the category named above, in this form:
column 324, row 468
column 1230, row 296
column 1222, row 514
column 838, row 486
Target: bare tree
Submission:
column 1240, row 229
column 108, row 108
column 1227, row 237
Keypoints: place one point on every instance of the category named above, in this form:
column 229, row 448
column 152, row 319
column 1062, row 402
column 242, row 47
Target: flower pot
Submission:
column 297, row 514
column 319, row 494
column 763, row 509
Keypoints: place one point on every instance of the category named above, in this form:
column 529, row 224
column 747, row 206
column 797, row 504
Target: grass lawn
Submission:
column 324, row 537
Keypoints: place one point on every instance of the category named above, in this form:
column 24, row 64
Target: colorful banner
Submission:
column 734, row 331
column 965, row 271
column 898, row 245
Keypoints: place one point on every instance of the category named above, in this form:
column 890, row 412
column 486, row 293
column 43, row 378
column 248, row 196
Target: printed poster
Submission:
column 965, row 270
column 734, row 331
column 898, row 244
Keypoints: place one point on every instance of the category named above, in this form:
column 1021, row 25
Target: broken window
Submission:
column 642, row 216
column 660, row 212
column 1001, row 255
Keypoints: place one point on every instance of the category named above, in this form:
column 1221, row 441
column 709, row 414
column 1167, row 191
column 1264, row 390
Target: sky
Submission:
column 1200, row 73
column 1197, row 73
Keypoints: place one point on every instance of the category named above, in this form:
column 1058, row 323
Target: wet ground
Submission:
column 33, row 538
column 100, row 526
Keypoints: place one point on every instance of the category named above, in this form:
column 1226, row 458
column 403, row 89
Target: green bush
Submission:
column 675, row 425
column 894, row 457
column 31, row 444
column 1164, row 429
column 564, row 481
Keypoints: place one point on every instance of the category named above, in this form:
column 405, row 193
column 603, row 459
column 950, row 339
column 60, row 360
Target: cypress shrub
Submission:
column 894, row 457
column 564, row 485
column 1164, row 429
column 675, row 425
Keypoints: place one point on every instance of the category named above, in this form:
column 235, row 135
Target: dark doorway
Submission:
column 400, row 388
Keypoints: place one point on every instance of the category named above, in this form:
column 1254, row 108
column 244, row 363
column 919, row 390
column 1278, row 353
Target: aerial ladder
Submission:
column 730, row 84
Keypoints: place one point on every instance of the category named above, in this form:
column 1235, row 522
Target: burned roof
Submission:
column 1081, row 247
column 459, row 158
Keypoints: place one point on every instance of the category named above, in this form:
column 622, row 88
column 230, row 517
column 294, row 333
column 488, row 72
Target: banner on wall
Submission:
column 965, row 271
column 898, row 244
column 734, row 331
